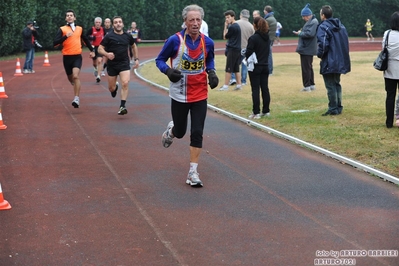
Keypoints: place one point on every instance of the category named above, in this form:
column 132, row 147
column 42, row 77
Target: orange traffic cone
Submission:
column 46, row 61
column 2, row 90
column 18, row 71
column 2, row 126
column 4, row 205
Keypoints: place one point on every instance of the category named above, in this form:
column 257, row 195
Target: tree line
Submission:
column 158, row 19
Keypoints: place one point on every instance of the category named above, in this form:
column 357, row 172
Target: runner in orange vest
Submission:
column 71, row 36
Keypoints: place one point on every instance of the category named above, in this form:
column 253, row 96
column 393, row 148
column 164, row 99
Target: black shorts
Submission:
column 96, row 54
column 72, row 61
column 233, row 61
column 114, row 69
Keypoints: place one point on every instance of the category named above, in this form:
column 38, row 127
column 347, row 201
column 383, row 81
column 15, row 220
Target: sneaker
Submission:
column 237, row 88
column 167, row 140
column 25, row 71
column 224, row 88
column 95, row 72
column 32, row 71
column 193, row 180
column 232, row 82
column 122, row 110
column 312, row 87
column 98, row 79
column 368, row 39
column 265, row 114
column 113, row 93
column 243, row 84
column 102, row 74
column 254, row 116
column 75, row 103
column 306, row 89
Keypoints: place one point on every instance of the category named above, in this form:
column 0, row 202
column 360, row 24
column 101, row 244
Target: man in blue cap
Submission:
column 307, row 47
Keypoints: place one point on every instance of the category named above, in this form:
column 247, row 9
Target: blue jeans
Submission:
column 244, row 73
column 30, row 56
column 334, row 92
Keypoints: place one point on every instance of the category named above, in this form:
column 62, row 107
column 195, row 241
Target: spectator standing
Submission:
column 247, row 30
column 71, row 37
column 278, row 32
column 255, row 13
column 391, row 75
column 307, row 47
column 191, row 57
column 29, row 35
column 369, row 27
column 258, row 47
column 232, row 32
column 333, row 50
column 115, row 46
column 272, row 22
column 96, row 35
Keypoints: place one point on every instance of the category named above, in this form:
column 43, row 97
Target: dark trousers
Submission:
column 259, row 78
column 391, row 86
column 334, row 92
column 180, row 119
column 307, row 70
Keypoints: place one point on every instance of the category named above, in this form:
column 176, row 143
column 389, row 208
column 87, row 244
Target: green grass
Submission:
column 358, row 133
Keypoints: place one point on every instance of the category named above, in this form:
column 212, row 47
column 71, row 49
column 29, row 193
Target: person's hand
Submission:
column 174, row 75
column 213, row 79
column 110, row 56
column 136, row 63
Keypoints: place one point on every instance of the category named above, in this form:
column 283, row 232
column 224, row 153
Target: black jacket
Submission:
column 260, row 44
column 27, row 34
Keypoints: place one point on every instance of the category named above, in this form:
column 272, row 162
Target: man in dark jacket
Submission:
column 333, row 49
column 29, row 35
column 272, row 22
column 307, row 47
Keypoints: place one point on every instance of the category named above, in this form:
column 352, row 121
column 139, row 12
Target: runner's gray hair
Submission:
column 98, row 18
column 192, row 8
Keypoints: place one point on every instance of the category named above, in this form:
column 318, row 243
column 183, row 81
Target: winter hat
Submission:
column 306, row 10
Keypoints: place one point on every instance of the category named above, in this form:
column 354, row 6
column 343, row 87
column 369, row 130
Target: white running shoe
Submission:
column 193, row 180
column 167, row 140
column 75, row 103
column 254, row 116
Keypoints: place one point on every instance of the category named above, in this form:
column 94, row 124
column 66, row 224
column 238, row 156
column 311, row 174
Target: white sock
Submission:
column 77, row 98
column 170, row 133
column 193, row 167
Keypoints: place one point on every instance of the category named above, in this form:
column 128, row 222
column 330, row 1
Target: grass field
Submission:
column 358, row 133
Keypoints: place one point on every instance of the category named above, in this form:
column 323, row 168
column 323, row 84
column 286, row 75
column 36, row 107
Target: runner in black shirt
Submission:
column 115, row 46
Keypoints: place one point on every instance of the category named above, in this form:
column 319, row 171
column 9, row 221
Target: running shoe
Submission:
column 113, row 93
column 75, row 103
column 102, row 74
column 98, row 79
column 254, row 116
column 224, row 88
column 167, row 140
column 122, row 110
column 193, row 180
